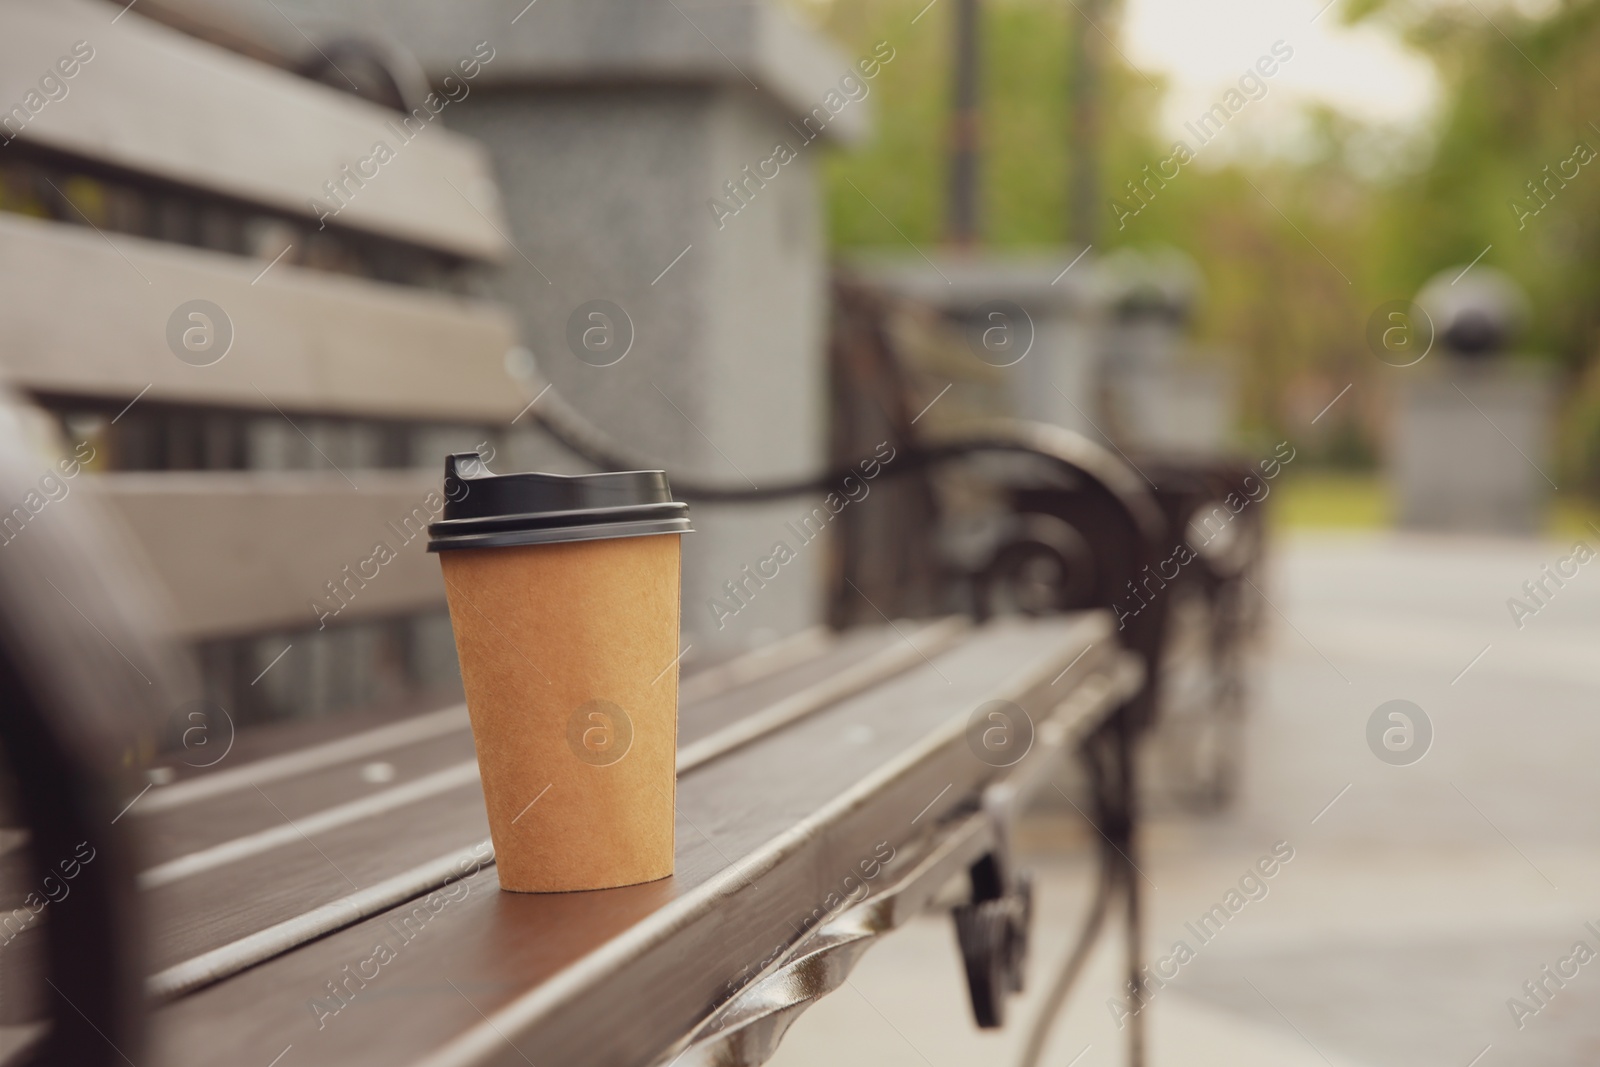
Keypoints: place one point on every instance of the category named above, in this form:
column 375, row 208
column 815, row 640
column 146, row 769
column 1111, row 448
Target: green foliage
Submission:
column 1272, row 299
column 1506, row 120
column 902, row 173
column 1296, row 252
column 1519, row 99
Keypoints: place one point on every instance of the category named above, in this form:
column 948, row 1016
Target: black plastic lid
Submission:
column 484, row 510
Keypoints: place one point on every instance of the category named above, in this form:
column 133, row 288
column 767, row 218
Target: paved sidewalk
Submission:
column 1416, row 905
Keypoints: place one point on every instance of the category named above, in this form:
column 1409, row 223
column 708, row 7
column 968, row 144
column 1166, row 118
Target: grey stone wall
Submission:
column 724, row 378
column 611, row 124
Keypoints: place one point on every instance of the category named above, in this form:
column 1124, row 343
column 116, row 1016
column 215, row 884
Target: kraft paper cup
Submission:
column 564, row 599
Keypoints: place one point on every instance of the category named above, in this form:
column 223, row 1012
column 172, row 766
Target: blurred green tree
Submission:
column 1507, row 170
column 1297, row 244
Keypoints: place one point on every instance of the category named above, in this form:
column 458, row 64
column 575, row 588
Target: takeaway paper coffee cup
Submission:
column 564, row 599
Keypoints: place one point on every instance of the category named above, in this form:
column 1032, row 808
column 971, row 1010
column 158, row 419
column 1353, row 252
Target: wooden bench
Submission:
column 335, row 895
column 829, row 787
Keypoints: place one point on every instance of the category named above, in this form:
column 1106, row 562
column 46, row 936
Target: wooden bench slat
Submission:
column 197, row 914
column 290, row 830
column 303, row 340
column 706, row 680
column 900, row 651
column 226, row 960
column 183, row 831
column 160, row 103
column 301, row 763
column 243, row 552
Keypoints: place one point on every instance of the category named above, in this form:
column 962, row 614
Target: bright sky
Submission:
column 1203, row 46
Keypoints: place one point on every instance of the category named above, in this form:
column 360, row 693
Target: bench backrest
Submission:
column 262, row 442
